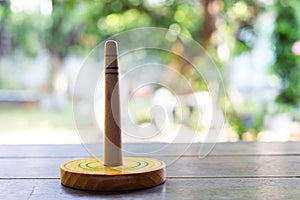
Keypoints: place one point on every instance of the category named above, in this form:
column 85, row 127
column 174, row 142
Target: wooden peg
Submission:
column 112, row 131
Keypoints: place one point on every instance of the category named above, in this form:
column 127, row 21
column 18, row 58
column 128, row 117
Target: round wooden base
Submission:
column 91, row 174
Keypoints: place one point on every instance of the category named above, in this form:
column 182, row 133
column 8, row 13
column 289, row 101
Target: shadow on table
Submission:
column 157, row 192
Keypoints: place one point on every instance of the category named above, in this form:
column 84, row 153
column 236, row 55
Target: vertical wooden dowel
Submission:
column 112, row 123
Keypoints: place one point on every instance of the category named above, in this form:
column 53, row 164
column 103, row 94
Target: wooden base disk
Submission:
column 91, row 174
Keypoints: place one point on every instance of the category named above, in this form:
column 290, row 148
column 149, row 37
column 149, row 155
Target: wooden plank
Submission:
column 20, row 151
column 228, row 188
column 239, row 148
column 228, row 166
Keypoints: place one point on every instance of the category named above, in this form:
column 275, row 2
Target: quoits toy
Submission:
column 113, row 172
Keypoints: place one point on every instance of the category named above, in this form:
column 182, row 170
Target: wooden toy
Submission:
column 113, row 172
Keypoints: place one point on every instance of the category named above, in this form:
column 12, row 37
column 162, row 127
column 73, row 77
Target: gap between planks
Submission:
column 192, row 156
column 179, row 177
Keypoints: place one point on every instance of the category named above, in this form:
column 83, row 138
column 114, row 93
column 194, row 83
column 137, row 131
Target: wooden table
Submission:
column 230, row 171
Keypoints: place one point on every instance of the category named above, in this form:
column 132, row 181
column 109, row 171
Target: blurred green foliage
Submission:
column 75, row 27
column 287, row 64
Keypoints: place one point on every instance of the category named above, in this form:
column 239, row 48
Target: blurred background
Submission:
column 255, row 44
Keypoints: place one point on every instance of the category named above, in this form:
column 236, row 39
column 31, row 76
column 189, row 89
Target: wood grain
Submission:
column 202, row 188
column 220, row 149
column 188, row 167
column 92, row 174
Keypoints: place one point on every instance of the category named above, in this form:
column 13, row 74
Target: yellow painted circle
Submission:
column 130, row 165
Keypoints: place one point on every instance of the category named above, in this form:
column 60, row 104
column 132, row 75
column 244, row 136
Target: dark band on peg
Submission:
column 112, row 70
column 111, row 58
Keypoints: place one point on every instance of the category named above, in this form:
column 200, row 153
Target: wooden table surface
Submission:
column 230, row 171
